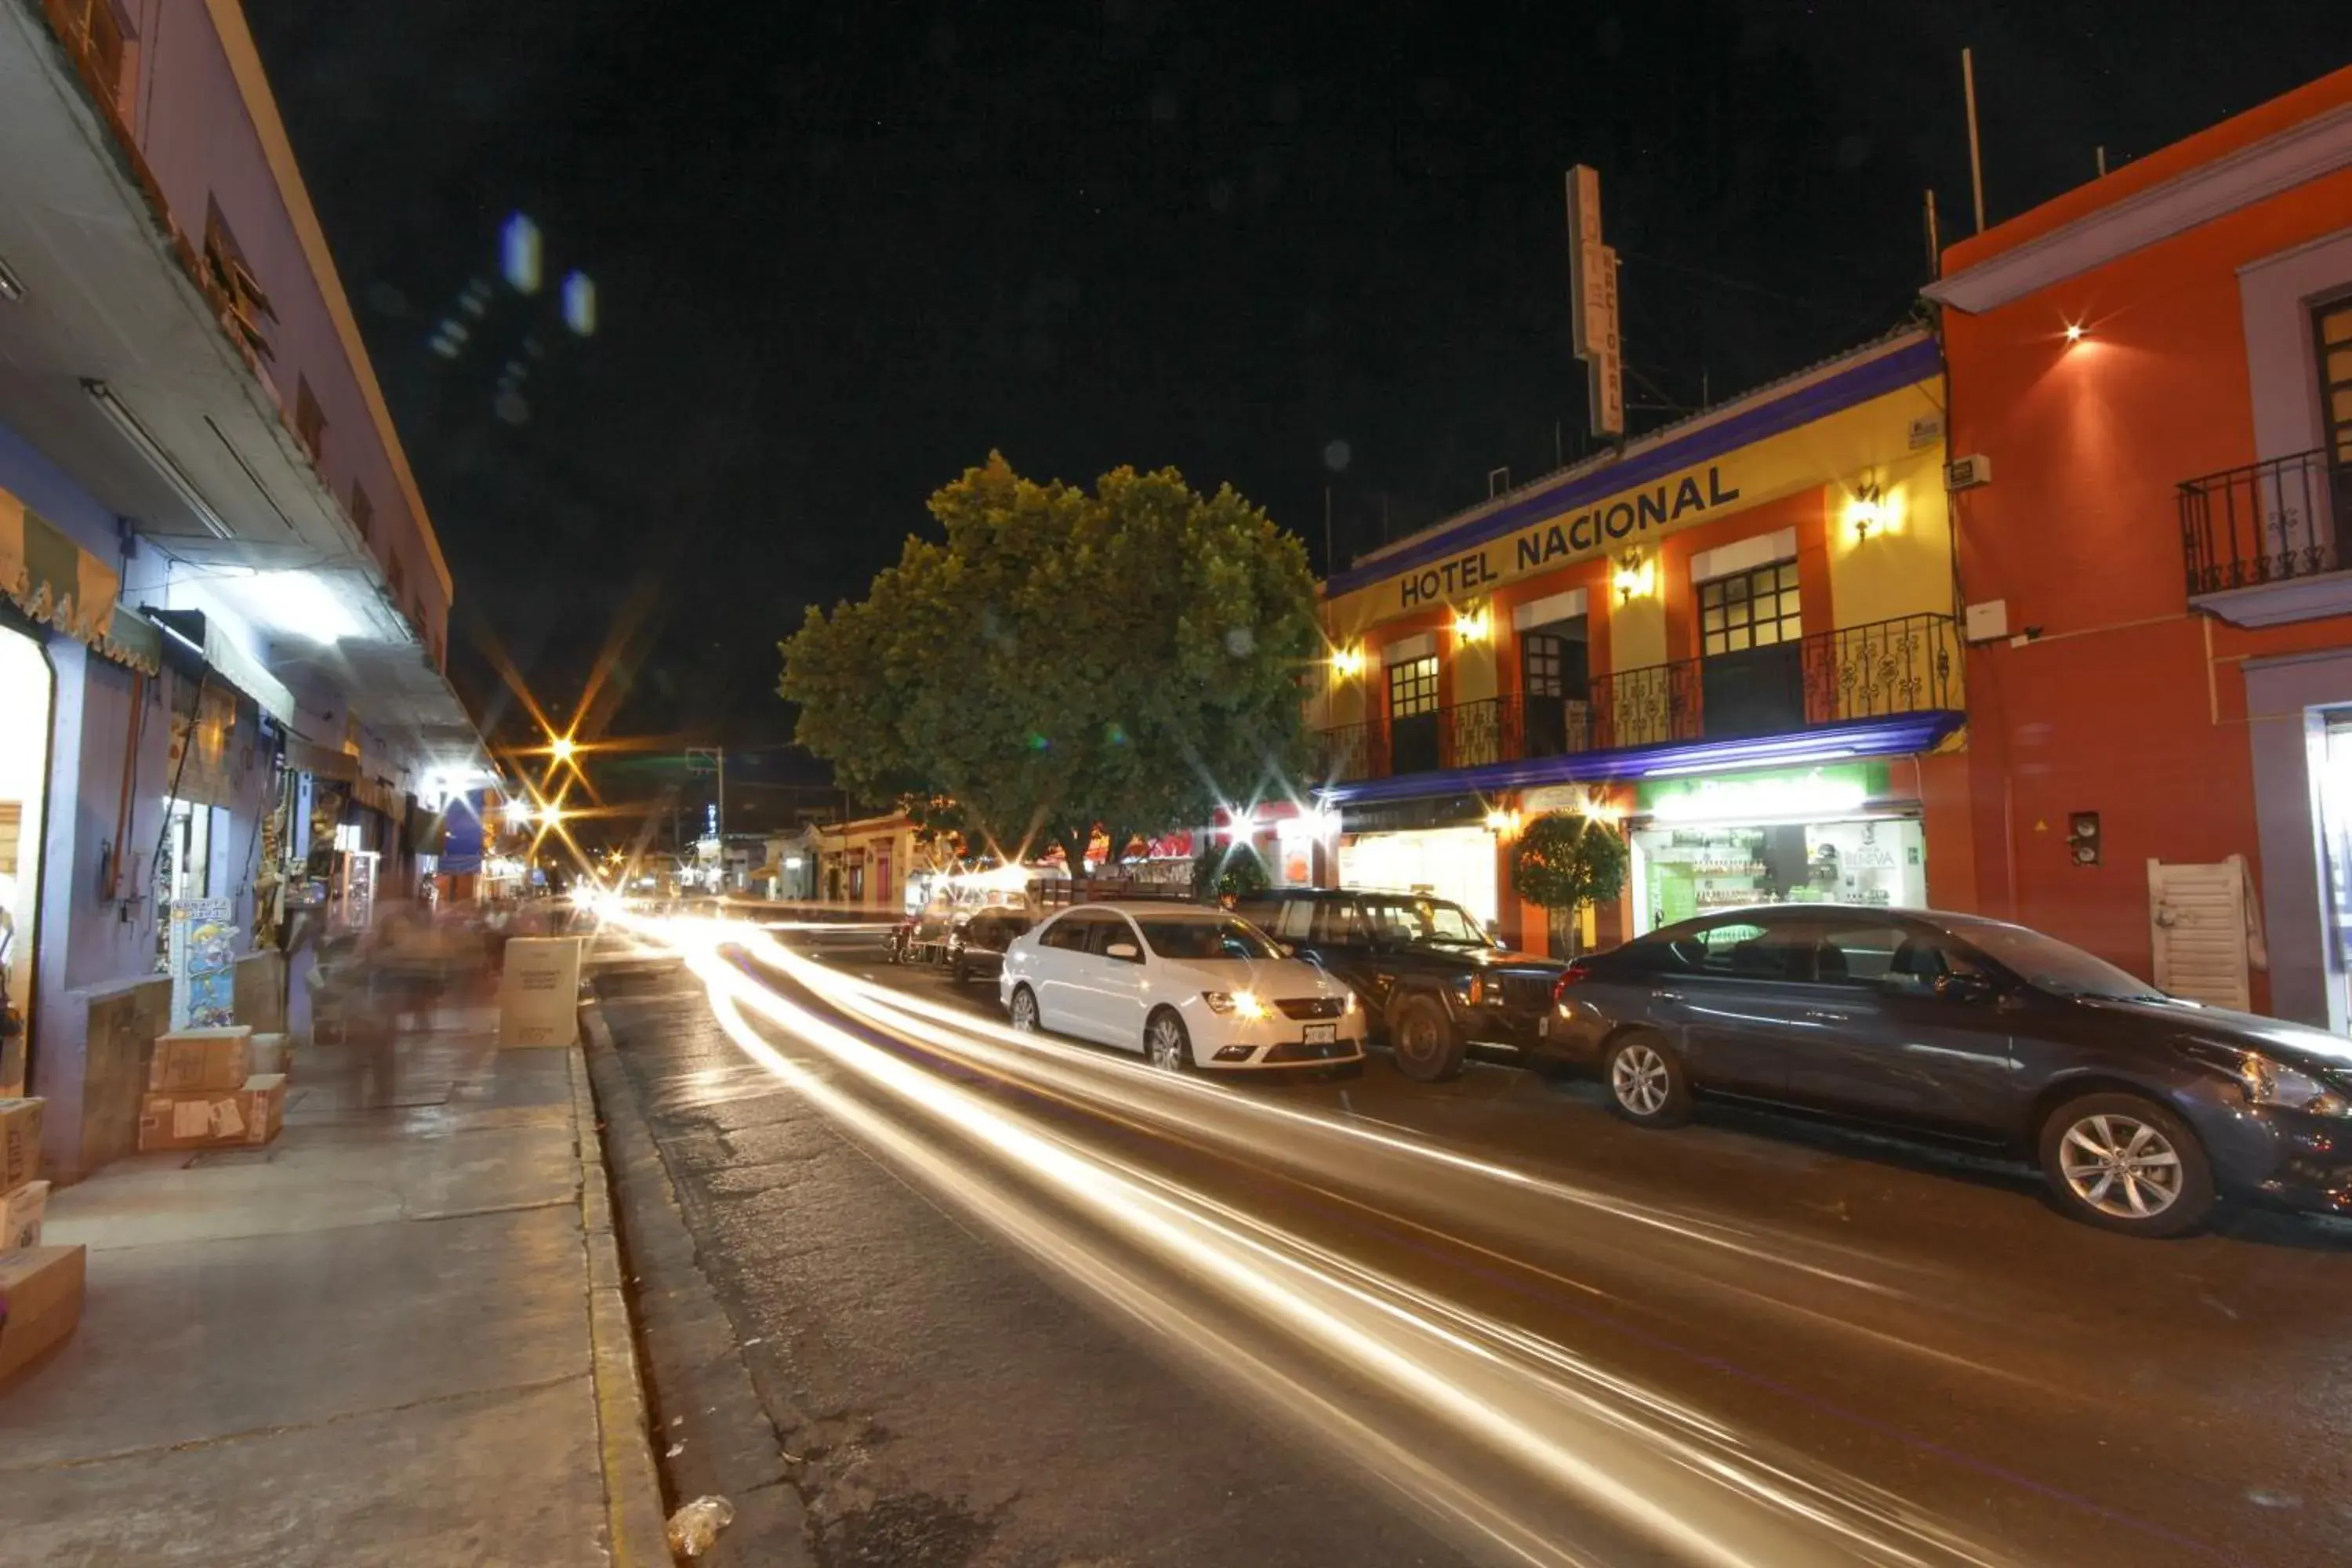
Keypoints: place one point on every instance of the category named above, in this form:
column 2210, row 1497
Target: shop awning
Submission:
column 1898, row 736
column 61, row 584
column 198, row 631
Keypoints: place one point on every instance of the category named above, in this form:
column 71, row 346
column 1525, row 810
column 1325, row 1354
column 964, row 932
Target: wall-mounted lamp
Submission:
column 1347, row 663
column 1503, row 822
column 1470, row 625
column 1866, row 513
column 1635, row 572
column 2073, row 332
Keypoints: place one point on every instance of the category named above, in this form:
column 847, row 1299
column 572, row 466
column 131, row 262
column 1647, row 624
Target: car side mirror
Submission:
column 1969, row 988
column 1124, row 952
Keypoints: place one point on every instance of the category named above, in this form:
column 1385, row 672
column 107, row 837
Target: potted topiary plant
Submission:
column 1563, row 862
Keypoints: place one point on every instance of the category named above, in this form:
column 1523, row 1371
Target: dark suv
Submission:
column 1431, row 978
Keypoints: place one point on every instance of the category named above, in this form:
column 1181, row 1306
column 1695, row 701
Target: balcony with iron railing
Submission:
column 2271, row 541
column 1908, row 666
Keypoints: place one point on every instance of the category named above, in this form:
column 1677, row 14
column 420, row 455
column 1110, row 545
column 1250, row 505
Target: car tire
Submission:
column 1023, row 1012
column 1646, row 1082
column 1422, row 1039
column 1166, row 1044
column 2126, row 1163
column 959, row 972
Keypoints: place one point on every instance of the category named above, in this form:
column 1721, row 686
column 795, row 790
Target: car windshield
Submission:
column 2051, row 966
column 1198, row 938
column 1425, row 921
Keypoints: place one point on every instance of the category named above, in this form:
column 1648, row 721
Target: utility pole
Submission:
column 1976, row 157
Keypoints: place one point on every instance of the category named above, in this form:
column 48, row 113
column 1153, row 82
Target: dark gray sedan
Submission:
column 2139, row 1107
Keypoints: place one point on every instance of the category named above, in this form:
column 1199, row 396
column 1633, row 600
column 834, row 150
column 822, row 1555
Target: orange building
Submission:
column 2151, row 435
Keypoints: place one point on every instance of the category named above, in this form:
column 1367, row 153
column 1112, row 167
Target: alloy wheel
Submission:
column 2120, row 1166
column 1025, row 1013
column 1639, row 1080
column 1164, row 1044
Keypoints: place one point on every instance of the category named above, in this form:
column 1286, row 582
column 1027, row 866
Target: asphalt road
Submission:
column 1033, row 1304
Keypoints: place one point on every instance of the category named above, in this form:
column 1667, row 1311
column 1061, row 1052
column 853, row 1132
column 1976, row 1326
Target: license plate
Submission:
column 1321, row 1034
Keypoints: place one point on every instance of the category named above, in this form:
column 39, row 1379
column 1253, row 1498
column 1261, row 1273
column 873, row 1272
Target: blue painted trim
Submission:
column 1863, row 381
column 1856, row 737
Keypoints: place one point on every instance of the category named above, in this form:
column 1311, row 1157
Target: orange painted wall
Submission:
column 2128, row 704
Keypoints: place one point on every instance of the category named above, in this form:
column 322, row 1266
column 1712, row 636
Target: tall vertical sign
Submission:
column 1593, row 287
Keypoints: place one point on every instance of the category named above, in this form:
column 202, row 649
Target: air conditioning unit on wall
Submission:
column 1967, row 473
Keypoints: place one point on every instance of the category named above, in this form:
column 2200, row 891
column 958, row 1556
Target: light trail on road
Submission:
column 1577, row 1463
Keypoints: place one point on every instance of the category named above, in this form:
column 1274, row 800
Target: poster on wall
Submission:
column 203, row 963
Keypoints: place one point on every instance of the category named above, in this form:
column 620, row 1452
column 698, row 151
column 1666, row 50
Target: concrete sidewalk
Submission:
column 395, row 1335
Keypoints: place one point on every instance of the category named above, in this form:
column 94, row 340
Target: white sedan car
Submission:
column 1189, row 987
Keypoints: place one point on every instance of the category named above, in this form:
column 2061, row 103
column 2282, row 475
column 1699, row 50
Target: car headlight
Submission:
column 1347, row 1003
column 1233, row 1004
column 2268, row 1083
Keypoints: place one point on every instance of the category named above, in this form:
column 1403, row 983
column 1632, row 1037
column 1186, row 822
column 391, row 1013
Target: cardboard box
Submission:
column 20, row 1215
column 20, row 1142
column 12, row 1065
column 190, row 1060
column 267, row 1054
column 40, row 1295
column 238, row 1118
column 539, row 995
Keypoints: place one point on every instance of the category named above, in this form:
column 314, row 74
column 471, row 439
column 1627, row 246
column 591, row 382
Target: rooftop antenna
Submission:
column 1975, row 155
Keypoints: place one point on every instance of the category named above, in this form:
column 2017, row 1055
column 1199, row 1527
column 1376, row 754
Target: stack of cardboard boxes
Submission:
column 202, row 1094
column 40, row 1286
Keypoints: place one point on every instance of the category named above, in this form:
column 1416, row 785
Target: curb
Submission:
column 634, row 1516
column 719, row 1436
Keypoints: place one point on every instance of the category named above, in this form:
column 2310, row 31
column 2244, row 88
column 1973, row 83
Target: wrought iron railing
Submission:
column 2266, row 522
column 1472, row 734
column 1910, row 664
column 1353, row 752
column 1648, row 705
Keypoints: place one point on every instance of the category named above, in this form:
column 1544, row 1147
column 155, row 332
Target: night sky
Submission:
column 841, row 251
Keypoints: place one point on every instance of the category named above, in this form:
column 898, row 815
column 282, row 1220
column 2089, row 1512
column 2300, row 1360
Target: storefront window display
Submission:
column 1454, row 863
column 1827, row 836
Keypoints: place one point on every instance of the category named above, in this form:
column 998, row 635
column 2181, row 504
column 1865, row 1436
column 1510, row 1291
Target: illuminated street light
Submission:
column 518, row 813
column 562, row 748
column 551, row 814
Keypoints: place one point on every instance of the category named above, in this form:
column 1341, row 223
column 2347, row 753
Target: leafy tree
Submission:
column 1065, row 661
column 1564, row 861
column 1228, row 870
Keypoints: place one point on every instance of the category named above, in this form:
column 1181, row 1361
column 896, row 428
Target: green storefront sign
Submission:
column 1785, row 794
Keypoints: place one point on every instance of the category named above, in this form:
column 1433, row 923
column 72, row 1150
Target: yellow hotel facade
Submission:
column 1736, row 636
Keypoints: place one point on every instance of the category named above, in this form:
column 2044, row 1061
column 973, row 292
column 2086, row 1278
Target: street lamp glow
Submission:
column 562, row 747
column 551, row 814
column 518, row 813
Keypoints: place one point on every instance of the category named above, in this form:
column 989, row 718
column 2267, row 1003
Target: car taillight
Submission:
column 1574, row 975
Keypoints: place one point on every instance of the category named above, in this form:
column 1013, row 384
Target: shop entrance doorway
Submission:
column 25, row 717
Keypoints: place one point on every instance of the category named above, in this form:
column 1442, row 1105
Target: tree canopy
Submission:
column 1065, row 661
